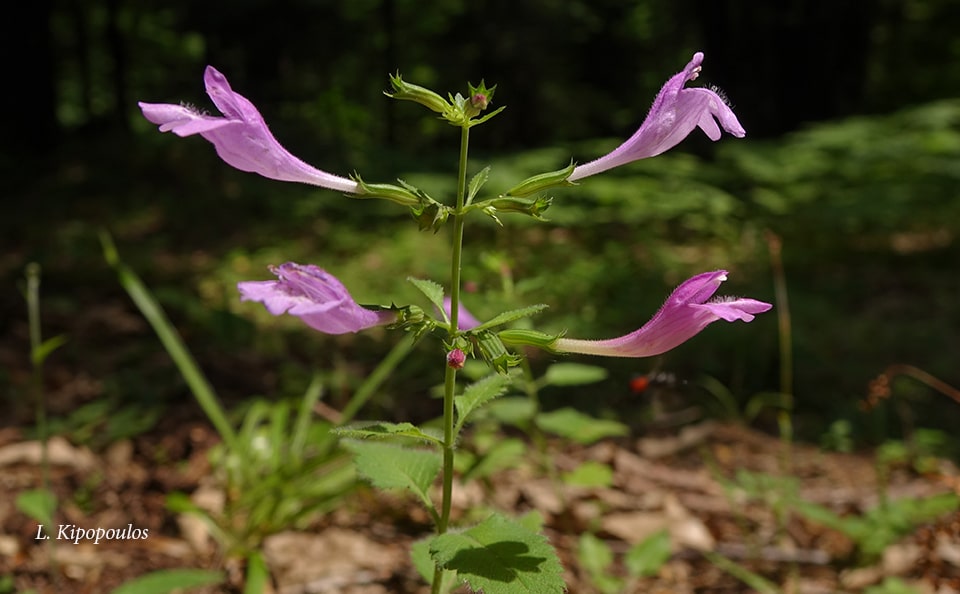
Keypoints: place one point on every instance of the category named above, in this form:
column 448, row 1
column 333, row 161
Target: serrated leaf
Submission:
column 589, row 474
column 647, row 556
column 573, row 424
column 385, row 430
column 165, row 581
column 501, row 556
column 39, row 504
column 573, row 374
column 433, row 291
column 420, row 555
column 391, row 467
column 509, row 316
column 476, row 182
column 479, row 393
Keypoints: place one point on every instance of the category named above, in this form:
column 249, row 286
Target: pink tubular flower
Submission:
column 242, row 138
column 465, row 319
column 685, row 313
column 675, row 113
column 315, row 296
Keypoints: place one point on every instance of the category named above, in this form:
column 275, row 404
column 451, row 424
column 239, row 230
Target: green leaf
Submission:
column 391, row 467
column 574, row 374
column 754, row 580
column 514, row 410
column 166, row 581
column 504, row 454
column 509, row 316
column 384, row 430
column 420, row 554
column 433, row 291
column 500, row 556
column 584, row 429
column 39, row 504
column 647, row 556
column 590, row 474
column 479, row 393
column 257, row 574
column 476, row 182
column 40, row 354
column 594, row 554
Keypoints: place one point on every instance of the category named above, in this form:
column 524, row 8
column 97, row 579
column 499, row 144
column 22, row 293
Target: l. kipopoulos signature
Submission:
column 74, row 533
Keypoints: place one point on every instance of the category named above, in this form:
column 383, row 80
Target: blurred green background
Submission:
column 852, row 159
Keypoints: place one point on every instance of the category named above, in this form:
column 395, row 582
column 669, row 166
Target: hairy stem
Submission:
column 450, row 378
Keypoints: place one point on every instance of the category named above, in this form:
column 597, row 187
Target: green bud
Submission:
column 410, row 92
column 478, row 100
column 542, row 181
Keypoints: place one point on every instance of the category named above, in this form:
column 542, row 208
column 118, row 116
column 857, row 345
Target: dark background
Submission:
column 78, row 156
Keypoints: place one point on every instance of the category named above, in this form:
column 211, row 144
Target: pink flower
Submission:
column 241, row 136
column 675, row 113
column 686, row 312
column 465, row 319
column 316, row 297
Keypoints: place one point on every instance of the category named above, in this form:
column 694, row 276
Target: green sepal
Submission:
column 541, row 182
column 410, row 318
column 494, row 352
column 405, row 91
column 403, row 195
column 534, row 207
column 430, row 214
column 534, row 338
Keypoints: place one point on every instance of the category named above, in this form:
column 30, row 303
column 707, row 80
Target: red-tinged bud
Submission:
column 456, row 358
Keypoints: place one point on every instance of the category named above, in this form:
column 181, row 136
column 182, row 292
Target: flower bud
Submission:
column 456, row 358
column 542, row 181
column 423, row 96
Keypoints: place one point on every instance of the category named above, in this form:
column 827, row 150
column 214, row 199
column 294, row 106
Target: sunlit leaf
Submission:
column 573, row 424
column 501, row 556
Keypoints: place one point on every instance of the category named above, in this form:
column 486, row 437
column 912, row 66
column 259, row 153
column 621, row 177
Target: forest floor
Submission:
column 714, row 487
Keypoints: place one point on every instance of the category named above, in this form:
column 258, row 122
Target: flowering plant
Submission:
column 499, row 554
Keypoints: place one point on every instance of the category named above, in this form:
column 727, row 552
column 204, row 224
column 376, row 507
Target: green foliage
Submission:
column 500, row 556
column 38, row 504
column 167, row 581
column 388, row 466
column 754, row 580
column 573, row 374
column 647, row 556
column 384, row 430
column 477, row 394
column 573, row 424
column 423, row 563
column 503, row 453
column 891, row 585
column 642, row 559
column 590, row 474
column 885, row 524
column 511, row 316
column 433, row 291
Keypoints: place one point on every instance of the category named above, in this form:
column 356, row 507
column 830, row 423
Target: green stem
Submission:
column 450, row 377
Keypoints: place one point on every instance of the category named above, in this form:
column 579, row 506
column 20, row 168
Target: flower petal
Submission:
column 242, row 138
column 684, row 314
column 316, row 297
column 674, row 114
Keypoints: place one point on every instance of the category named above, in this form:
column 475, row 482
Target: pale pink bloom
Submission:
column 675, row 113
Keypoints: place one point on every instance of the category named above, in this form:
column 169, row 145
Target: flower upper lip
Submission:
column 675, row 113
column 241, row 136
